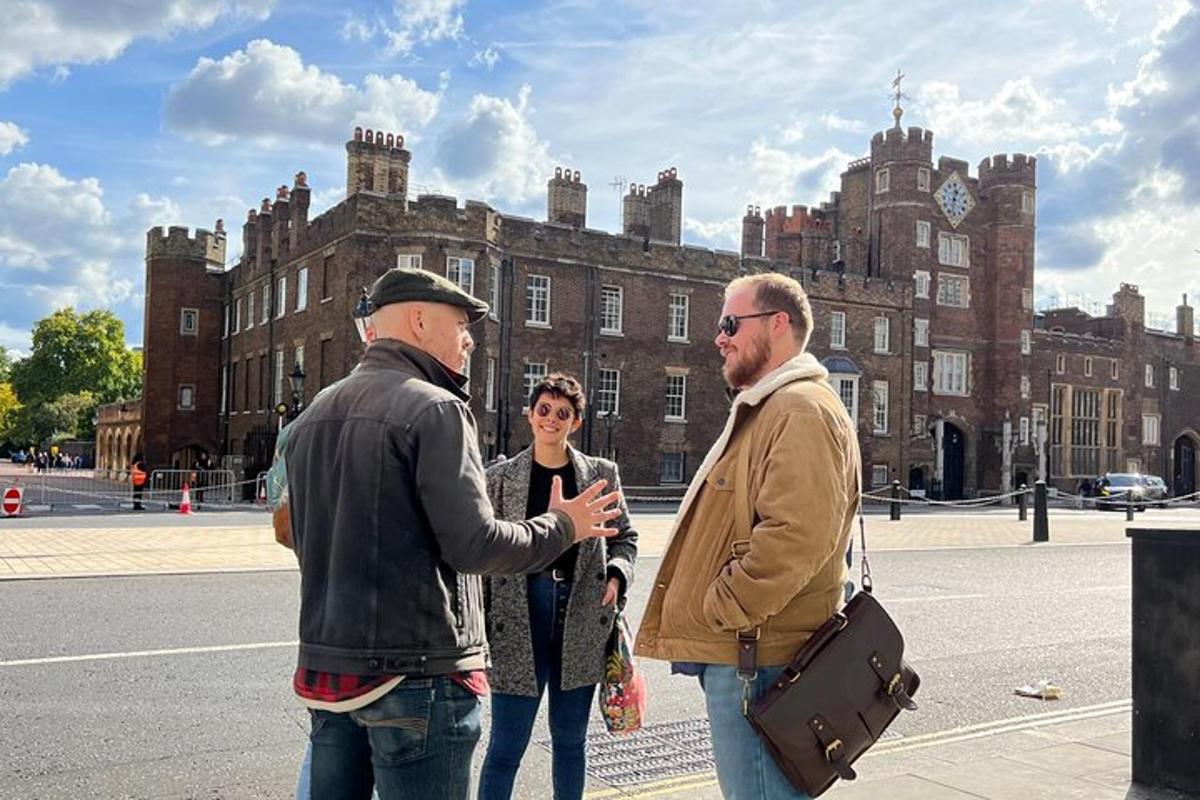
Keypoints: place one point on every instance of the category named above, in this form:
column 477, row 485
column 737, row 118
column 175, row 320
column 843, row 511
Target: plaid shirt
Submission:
column 329, row 687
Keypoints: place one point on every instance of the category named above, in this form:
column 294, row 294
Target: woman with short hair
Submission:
column 549, row 630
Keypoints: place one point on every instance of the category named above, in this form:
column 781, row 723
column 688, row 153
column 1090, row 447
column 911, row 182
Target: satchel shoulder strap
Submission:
column 867, row 584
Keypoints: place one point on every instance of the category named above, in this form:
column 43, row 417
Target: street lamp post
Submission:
column 297, row 380
column 610, row 422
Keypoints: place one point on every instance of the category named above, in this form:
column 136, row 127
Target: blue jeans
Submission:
column 414, row 742
column 513, row 715
column 304, row 779
column 745, row 769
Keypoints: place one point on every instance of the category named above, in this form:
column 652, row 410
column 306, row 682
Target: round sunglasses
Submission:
column 730, row 323
column 563, row 413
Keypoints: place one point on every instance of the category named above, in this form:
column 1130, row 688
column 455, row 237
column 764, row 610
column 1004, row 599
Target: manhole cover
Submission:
column 665, row 750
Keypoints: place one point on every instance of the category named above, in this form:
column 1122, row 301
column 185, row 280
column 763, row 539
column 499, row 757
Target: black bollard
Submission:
column 1166, row 641
column 1023, row 503
column 1129, row 511
column 1041, row 517
column 895, row 515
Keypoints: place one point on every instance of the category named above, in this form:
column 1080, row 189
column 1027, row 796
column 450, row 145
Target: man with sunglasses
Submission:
column 391, row 523
column 757, row 552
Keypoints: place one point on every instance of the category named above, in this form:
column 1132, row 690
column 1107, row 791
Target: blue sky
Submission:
column 115, row 117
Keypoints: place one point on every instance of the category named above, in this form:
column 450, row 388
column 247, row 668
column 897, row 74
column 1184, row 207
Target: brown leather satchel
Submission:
column 837, row 696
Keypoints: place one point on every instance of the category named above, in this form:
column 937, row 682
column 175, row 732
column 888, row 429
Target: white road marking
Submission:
column 171, row 651
column 933, row 598
column 1010, row 725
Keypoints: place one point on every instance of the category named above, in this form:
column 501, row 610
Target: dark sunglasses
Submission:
column 730, row 323
column 563, row 413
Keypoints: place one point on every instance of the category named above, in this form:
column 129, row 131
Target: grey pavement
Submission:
column 178, row 686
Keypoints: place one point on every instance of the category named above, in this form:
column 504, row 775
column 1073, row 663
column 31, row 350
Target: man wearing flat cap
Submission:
column 392, row 525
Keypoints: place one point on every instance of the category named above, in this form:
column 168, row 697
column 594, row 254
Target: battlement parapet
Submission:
column 1000, row 169
column 524, row 236
column 947, row 164
column 896, row 144
column 779, row 221
column 176, row 242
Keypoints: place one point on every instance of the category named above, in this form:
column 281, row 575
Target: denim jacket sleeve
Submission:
column 453, row 493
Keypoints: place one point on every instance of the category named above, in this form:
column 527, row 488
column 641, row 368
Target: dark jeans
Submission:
column 414, row 742
column 513, row 715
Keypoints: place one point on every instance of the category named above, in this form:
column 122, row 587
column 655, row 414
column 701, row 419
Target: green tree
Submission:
column 5, row 365
column 76, row 353
column 10, row 406
column 65, row 417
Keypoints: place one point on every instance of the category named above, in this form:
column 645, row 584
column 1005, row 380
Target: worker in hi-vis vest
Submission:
column 137, row 477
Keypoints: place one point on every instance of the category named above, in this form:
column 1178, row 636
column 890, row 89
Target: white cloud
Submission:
column 781, row 176
column 431, row 20
column 488, row 57
column 61, row 245
column 11, row 137
column 267, row 94
column 1018, row 112
column 494, row 151
column 40, row 33
column 417, row 21
column 835, row 122
column 359, row 29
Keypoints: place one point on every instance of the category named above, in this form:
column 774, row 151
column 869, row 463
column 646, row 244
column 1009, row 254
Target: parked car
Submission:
column 1115, row 490
column 1156, row 490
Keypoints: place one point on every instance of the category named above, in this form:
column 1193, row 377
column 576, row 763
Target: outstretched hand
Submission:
column 588, row 510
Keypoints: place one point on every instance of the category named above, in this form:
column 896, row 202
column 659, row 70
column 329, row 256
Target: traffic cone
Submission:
column 262, row 493
column 185, row 505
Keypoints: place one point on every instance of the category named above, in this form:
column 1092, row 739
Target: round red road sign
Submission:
column 12, row 500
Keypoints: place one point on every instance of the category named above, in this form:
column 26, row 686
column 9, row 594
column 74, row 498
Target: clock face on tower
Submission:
column 955, row 199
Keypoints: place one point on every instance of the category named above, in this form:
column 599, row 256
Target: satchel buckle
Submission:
column 843, row 621
column 833, row 746
column 894, row 685
column 739, row 547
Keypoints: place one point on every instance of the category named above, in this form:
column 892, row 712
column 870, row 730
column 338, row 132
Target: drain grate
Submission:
column 664, row 750
column 656, row 752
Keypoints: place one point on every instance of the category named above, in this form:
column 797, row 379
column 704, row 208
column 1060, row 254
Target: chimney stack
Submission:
column 666, row 207
column 566, row 197
column 752, row 232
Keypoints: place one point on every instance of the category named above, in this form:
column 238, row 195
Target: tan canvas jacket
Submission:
column 783, row 477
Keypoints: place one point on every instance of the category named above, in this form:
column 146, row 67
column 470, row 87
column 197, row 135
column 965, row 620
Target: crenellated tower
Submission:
column 183, row 321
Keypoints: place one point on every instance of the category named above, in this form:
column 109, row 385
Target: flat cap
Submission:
column 400, row 285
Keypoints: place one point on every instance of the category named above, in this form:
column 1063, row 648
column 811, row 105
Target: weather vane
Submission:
column 897, row 96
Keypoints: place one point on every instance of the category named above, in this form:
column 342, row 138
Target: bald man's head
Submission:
column 440, row 329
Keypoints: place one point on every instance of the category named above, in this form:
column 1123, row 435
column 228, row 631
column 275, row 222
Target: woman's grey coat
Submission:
column 588, row 623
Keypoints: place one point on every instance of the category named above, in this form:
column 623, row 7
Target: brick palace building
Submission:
column 921, row 276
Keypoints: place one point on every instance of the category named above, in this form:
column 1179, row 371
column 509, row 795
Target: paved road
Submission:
column 208, row 720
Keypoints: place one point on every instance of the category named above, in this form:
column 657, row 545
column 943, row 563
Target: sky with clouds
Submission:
column 116, row 117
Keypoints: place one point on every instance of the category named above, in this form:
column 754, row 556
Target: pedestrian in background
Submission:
column 548, row 630
column 760, row 541
column 391, row 524
column 137, row 479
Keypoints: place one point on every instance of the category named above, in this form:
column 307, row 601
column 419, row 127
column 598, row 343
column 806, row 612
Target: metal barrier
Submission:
column 71, row 486
column 207, row 486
